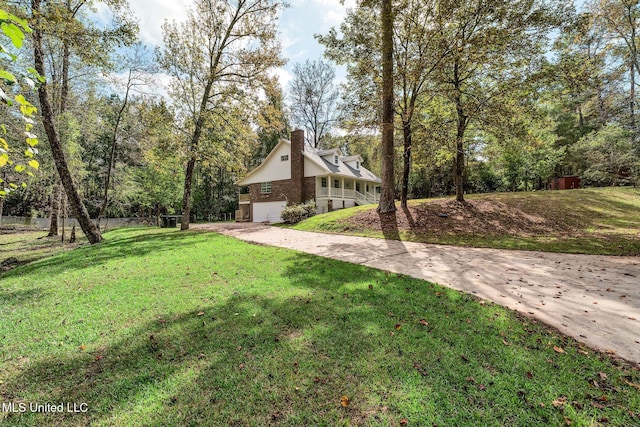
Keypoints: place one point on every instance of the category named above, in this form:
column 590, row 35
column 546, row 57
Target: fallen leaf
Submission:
column 567, row 421
column 82, row 347
column 602, row 375
column 558, row 349
column 404, row 422
column 636, row 386
column 200, row 313
column 344, row 401
column 470, row 379
column 529, row 375
column 398, row 326
column 560, row 401
column 505, row 342
column 424, row 322
column 241, row 366
column 610, row 351
column 481, row 387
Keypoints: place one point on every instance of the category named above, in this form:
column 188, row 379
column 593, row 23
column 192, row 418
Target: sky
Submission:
column 297, row 25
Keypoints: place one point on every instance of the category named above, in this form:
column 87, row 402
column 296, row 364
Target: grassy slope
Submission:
column 159, row 328
column 595, row 221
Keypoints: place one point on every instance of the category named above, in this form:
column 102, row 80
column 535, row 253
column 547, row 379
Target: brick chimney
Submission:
column 297, row 167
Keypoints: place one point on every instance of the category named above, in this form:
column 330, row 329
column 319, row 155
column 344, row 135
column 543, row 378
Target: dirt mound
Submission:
column 473, row 217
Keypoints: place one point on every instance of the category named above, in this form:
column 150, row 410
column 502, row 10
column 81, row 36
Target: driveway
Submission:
column 594, row 299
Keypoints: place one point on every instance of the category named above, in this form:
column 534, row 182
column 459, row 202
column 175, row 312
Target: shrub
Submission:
column 293, row 214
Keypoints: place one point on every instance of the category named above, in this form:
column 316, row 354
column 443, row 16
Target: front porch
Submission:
column 334, row 192
column 243, row 214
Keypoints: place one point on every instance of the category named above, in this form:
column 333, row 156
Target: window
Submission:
column 284, row 158
column 358, row 187
column 265, row 188
column 357, row 165
column 336, row 183
column 323, row 182
column 335, row 159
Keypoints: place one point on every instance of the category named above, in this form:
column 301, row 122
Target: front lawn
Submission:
column 156, row 327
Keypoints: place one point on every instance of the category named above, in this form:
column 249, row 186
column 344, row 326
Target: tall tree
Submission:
column 231, row 45
column 271, row 120
column 418, row 49
column 621, row 19
column 137, row 76
column 313, row 99
column 494, row 48
column 79, row 210
column 387, row 204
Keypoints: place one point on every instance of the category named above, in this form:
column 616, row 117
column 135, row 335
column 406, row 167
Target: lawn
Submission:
column 603, row 221
column 157, row 327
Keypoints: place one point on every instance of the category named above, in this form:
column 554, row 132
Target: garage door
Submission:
column 268, row 211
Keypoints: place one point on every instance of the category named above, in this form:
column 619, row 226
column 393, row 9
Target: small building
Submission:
column 294, row 173
column 565, row 182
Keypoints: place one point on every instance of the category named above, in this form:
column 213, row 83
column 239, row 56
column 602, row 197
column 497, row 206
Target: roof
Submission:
column 316, row 156
column 341, row 168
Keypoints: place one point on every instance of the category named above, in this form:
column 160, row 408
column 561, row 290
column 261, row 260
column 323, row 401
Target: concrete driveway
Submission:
column 594, row 299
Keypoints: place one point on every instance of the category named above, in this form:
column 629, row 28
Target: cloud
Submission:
column 152, row 14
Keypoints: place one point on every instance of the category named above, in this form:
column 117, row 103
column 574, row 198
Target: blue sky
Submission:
column 298, row 24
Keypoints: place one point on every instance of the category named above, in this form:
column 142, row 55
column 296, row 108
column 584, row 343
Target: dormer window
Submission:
column 335, row 159
column 284, row 158
column 358, row 165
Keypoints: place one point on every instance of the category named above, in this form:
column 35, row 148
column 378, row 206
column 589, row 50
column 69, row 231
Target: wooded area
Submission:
column 487, row 96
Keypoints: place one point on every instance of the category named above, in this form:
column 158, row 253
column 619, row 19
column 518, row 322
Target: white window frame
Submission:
column 265, row 187
column 335, row 159
column 284, row 158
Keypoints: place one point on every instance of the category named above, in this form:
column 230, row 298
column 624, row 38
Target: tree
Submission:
column 14, row 28
column 621, row 20
column 313, row 99
column 418, row 49
column 77, row 206
column 494, row 47
column 138, row 75
column 231, row 45
column 387, row 204
column 272, row 122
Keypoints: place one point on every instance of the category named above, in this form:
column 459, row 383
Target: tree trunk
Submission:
column 406, row 128
column 186, row 196
column 77, row 206
column 112, row 157
column 387, row 194
column 55, row 210
column 460, row 130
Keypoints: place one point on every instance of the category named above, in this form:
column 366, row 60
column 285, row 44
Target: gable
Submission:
column 272, row 168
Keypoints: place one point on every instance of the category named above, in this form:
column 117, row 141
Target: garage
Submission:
column 268, row 211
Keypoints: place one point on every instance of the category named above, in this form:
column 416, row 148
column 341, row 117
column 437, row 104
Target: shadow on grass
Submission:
column 115, row 247
column 398, row 347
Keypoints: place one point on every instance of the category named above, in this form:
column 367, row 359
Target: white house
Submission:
column 294, row 173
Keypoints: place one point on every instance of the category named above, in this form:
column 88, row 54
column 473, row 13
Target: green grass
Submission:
column 156, row 327
column 603, row 221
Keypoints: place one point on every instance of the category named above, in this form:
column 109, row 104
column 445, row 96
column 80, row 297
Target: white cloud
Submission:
column 152, row 14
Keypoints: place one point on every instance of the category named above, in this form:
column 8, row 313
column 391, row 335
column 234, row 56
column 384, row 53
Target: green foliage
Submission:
column 293, row 214
column 607, row 157
column 21, row 157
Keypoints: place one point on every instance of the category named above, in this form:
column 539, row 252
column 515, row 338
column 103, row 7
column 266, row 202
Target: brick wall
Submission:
column 297, row 167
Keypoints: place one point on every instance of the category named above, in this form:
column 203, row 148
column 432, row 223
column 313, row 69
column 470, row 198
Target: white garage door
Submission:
column 268, row 211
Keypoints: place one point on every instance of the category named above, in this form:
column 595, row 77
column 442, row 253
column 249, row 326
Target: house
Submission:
column 295, row 173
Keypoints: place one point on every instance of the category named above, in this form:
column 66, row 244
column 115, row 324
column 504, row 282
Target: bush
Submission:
column 293, row 214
